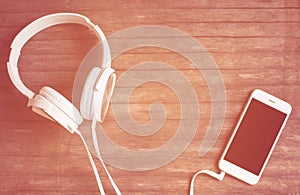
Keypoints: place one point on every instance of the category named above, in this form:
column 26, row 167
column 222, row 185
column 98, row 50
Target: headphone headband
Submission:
column 39, row 25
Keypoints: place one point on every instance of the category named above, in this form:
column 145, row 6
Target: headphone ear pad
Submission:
column 39, row 105
column 51, row 104
column 109, row 88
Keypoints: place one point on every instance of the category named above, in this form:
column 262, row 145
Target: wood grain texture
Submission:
column 255, row 44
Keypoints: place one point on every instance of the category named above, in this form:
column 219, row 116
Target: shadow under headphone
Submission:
column 96, row 93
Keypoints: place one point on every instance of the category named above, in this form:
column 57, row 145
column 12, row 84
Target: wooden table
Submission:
column 255, row 44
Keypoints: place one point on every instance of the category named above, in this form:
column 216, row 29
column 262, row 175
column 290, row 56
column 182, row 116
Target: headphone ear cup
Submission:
column 96, row 93
column 88, row 93
column 52, row 105
column 62, row 103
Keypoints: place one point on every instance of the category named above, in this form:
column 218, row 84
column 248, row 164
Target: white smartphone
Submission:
column 255, row 136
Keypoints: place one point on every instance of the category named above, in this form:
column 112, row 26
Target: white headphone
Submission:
column 97, row 89
column 49, row 103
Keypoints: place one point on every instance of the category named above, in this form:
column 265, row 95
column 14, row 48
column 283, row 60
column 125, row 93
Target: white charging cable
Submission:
column 219, row 177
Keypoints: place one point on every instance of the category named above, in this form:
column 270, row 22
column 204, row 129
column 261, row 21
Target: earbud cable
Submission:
column 96, row 146
column 219, row 177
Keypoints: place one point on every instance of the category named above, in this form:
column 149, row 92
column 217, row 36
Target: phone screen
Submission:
column 255, row 136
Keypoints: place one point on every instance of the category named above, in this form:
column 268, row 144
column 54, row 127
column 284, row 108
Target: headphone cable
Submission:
column 99, row 183
column 96, row 146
